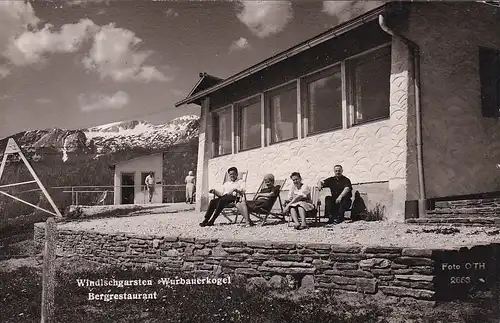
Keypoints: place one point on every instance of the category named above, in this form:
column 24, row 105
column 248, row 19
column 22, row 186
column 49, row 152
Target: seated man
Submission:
column 264, row 199
column 341, row 191
column 231, row 191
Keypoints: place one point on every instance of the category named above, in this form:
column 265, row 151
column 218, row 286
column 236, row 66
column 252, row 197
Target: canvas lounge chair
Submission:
column 230, row 212
column 314, row 214
column 263, row 214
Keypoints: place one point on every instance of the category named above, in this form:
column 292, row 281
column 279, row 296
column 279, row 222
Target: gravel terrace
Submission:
column 185, row 223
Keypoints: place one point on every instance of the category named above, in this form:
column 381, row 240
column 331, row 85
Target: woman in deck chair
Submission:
column 299, row 201
column 264, row 199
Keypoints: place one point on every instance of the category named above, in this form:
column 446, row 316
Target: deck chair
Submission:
column 263, row 214
column 316, row 212
column 230, row 212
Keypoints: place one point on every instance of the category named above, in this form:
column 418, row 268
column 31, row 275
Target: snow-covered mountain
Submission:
column 118, row 136
column 109, row 138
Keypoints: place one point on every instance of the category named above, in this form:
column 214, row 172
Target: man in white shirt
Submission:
column 231, row 191
column 150, row 185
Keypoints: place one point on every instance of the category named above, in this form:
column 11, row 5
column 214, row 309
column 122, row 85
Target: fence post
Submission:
column 49, row 272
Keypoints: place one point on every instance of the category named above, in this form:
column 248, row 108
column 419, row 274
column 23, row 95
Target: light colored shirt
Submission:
column 189, row 179
column 229, row 186
column 150, row 180
column 304, row 191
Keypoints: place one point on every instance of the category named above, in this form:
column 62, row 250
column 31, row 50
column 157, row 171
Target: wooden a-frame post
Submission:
column 11, row 149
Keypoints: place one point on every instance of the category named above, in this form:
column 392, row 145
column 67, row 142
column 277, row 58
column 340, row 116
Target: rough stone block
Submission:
column 261, row 256
column 349, row 273
column 407, row 292
column 234, row 264
column 194, row 258
column 375, row 262
column 424, row 278
column 307, row 283
column 274, row 263
column 219, row 252
column 346, row 257
column 414, row 261
column 202, row 252
column 346, row 249
column 385, row 250
column 346, row 266
column 368, row 286
column 289, row 270
column 277, row 282
column 423, row 270
column 381, row 272
column 412, row 252
column 260, row 244
column 247, row 272
column 236, row 244
column 170, row 239
column 172, row 253
column 320, row 246
column 187, row 239
column 414, row 284
column 239, row 250
column 282, row 245
column 402, row 271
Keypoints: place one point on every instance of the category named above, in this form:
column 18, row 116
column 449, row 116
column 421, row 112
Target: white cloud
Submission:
column 114, row 55
column 103, row 102
column 15, row 17
column 32, row 46
column 4, row 72
column 240, row 44
column 171, row 12
column 265, row 18
column 345, row 10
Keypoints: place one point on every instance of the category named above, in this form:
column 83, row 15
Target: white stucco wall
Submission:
column 139, row 165
column 371, row 153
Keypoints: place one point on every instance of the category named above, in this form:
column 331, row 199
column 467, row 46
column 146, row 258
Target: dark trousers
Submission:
column 216, row 206
column 334, row 211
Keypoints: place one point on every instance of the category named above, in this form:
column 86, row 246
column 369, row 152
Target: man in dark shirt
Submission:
column 341, row 191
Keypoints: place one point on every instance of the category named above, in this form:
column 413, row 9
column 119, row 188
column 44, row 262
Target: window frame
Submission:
column 228, row 107
column 237, row 117
column 268, row 94
column 351, row 63
column 313, row 77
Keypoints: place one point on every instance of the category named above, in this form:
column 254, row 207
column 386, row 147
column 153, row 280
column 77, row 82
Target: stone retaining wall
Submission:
column 405, row 273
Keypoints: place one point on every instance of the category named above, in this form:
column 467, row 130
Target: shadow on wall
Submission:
column 359, row 210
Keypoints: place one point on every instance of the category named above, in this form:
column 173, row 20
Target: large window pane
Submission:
column 222, row 132
column 250, row 124
column 324, row 101
column 282, row 112
column 371, row 85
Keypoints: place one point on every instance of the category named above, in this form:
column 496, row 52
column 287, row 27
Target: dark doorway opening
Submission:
column 128, row 188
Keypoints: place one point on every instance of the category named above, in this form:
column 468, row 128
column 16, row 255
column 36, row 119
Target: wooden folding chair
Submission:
column 230, row 210
column 263, row 214
column 316, row 212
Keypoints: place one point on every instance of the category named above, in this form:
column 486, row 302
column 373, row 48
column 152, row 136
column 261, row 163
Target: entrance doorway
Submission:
column 128, row 188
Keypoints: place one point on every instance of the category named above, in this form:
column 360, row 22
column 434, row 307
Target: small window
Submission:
column 249, row 124
column 281, row 108
column 370, row 86
column 221, row 121
column 489, row 71
column 324, row 101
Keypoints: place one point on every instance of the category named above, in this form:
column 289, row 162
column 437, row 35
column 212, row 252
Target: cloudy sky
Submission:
column 79, row 63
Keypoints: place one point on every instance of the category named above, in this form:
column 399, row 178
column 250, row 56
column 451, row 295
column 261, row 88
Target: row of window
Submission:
column 349, row 93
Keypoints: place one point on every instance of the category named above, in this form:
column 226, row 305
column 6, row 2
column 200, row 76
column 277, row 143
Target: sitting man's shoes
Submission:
column 203, row 224
column 210, row 224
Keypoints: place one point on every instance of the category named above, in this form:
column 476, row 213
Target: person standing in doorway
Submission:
column 150, row 185
column 341, row 194
column 190, row 182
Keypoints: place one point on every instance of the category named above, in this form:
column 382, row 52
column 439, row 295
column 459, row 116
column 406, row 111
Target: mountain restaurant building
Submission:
column 405, row 97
